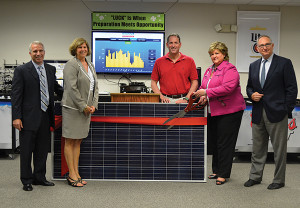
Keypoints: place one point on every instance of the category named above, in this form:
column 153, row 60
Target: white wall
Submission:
column 56, row 23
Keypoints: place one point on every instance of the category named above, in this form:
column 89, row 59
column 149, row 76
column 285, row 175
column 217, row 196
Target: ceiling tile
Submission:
column 269, row 2
column 157, row 1
column 251, row 2
column 292, row 4
column 123, row 0
column 233, row 1
column 197, row 1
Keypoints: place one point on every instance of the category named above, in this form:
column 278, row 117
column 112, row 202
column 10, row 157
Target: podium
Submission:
column 135, row 97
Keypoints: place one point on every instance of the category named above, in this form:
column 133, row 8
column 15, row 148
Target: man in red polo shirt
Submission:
column 176, row 74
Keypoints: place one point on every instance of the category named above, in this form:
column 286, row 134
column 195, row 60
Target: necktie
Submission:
column 44, row 99
column 263, row 74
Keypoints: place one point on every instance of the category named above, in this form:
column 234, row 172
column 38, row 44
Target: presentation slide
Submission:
column 127, row 52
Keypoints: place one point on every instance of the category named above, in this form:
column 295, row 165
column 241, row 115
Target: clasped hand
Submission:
column 89, row 110
column 167, row 100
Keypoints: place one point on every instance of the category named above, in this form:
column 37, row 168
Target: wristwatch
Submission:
column 185, row 98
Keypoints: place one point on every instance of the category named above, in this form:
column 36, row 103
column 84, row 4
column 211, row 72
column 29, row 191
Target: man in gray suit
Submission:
column 272, row 87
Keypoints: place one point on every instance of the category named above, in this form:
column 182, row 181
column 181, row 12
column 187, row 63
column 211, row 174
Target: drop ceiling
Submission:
column 245, row 2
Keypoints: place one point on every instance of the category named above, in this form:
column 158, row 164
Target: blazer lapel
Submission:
column 272, row 68
column 49, row 77
column 33, row 71
column 92, row 69
column 82, row 67
column 257, row 75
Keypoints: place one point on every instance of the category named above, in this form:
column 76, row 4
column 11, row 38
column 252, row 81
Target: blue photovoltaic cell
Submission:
column 139, row 152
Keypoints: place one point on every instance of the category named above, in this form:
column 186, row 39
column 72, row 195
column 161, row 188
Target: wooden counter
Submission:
column 135, row 97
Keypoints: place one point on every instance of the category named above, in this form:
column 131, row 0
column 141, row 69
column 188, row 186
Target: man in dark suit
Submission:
column 272, row 87
column 32, row 100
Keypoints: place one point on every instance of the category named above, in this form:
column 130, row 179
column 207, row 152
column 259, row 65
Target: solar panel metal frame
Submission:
column 111, row 154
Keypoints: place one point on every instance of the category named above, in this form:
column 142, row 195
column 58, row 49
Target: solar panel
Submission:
column 115, row 151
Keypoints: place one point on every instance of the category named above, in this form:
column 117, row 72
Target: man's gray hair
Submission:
column 36, row 43
column 264, row 36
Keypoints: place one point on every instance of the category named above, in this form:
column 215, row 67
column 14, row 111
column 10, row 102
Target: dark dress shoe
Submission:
column 251, row 182
column 27, row 187
column 275, row 186
column 43, row 183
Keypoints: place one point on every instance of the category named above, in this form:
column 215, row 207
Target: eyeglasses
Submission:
column 267, row 45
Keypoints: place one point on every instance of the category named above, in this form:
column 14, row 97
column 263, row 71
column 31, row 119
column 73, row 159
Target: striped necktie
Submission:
column 263, row 74
column 44, row 99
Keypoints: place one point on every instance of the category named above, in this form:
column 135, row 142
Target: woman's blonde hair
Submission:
column 78, row 42
column 221, row 47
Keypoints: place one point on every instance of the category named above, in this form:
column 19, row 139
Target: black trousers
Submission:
column 36, row 144
column 222, row 135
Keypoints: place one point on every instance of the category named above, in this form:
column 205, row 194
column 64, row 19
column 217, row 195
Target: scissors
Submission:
column 189, row 107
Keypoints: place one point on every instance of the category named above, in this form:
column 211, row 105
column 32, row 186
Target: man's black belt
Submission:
column 175, row 96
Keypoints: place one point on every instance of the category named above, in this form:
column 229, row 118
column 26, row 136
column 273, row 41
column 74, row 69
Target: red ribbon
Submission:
column 151, row 120
column 189, row 121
